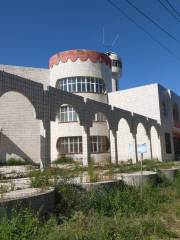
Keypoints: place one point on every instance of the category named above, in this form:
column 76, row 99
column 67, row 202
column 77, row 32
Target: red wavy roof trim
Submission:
column 83, row 55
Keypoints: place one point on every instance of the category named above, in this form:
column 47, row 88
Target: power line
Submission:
column 168, row 10
column 173, row 8
column 143, row 29
column 152, row 21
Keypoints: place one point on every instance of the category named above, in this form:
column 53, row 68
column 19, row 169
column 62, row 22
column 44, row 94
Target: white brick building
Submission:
column 74, row 108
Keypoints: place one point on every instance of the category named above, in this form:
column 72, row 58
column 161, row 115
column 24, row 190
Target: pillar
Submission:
column 149, row 147
column 134, row 149
column 86, row 145
column 113, row 146
column 45, row 137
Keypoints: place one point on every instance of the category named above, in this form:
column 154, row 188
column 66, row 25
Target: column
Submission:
column 86, row 145
column 45, row 146
column 45, row 137
column 149, row 147
column 113, row 146
column 134, row 149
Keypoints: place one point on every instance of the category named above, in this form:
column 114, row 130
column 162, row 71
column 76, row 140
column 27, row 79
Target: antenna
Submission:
column 108, row 46
column 103, row 36
column 115, row 40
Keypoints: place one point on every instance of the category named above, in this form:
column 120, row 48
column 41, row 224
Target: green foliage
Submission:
column 107, row 213
column 64, row 159
column 93, row 176
column 23, row 225
column 40, row 179
column 15, row 162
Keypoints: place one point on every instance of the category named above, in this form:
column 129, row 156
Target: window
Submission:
column 69, row 145
column 168, row 142
column 81, row 84
column 99, row 117
column 67, row 114
column 99, row 144
column 164, row 109
column 116, row 63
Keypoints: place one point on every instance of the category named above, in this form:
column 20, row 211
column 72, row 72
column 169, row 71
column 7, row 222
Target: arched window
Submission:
column 81, row 84
column 67, row 114
column 99, row 117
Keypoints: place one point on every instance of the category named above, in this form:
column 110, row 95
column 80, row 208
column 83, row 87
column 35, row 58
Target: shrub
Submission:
column 15, row 161
column 40, row 179
column 64, row 159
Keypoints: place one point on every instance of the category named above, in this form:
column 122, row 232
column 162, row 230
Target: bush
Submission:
column 15, row 161
column 64, row 159
column 40, row 179
column 24, row 224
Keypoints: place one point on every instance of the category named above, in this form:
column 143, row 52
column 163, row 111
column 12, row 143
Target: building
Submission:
column 75, row 108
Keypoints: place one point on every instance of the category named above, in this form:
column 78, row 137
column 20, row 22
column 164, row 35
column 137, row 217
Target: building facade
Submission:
column 75, row 108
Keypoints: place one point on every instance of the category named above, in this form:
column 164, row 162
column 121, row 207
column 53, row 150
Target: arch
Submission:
column 58, row 97
column 95, row 107
column 20, row 128
column 155, row 143
column 142, row 138
column 124, row 141
column 139, row 119
column 31, row 90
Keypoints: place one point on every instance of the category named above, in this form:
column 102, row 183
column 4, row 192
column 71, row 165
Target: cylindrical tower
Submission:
column 88, row 74
column 116, row 70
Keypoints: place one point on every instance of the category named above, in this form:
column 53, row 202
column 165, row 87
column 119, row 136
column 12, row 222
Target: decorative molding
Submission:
column 83, row 55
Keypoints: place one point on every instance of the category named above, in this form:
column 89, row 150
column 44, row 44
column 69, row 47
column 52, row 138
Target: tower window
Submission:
column 116, row 63
column 82, row 84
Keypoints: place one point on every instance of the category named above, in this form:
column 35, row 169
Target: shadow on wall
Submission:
column 8, row 147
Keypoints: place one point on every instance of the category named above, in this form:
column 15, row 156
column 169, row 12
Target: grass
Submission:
column 92, row 173
column 109, row 213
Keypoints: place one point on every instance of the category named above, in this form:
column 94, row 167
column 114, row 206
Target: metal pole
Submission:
column 141, row 185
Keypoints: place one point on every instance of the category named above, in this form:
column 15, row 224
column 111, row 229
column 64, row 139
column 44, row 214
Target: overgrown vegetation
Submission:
column 64, row 159
column 13, row 162
column 109, row 213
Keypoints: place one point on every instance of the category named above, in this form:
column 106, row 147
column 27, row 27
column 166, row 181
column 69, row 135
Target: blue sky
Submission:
column 32, row 31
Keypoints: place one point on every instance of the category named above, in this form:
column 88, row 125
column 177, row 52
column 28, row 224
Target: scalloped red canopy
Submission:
column 83, row 55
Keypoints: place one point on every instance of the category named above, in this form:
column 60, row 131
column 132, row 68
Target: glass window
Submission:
column 81, row 84
column 68, row 145
column 88, row 84
column 67, row 114
column 99, row 117
column 99, row 144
